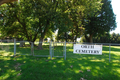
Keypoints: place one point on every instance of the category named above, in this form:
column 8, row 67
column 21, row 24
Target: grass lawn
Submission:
column 76, row 67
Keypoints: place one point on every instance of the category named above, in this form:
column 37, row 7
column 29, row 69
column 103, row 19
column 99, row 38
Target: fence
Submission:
column 45, row 52
column 22, row 47
column 6, row 47
column 110, row 52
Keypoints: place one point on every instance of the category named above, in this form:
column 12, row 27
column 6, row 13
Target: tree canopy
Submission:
column 103, row 21
column 32, row 19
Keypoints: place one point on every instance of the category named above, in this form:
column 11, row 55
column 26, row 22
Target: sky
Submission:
column 116, row 6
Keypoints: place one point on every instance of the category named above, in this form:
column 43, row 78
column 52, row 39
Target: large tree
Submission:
column 51, row 15
column 33, row 20
column 77, row 12
column 43, row 11
column 101, row 22
column 17, row 21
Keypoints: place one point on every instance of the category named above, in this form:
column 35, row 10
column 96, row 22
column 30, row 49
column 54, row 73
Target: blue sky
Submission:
column 116, row 6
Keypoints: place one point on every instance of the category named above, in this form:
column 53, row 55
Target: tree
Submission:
column 51, row 15
column 17, row 21
column 43, row 12
column 77, row 13
column 101, row 22
column 32, row 20
column 105, row 38
column 115, row 38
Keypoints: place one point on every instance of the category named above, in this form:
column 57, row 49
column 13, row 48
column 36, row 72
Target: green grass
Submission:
column 90, row 67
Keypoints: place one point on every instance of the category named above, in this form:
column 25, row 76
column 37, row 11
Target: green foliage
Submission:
column 106, row 38
column 16, row 21
column 77, row 13
column 115, row 38
column 40, row 18
column 102, row 21
column 102, row 39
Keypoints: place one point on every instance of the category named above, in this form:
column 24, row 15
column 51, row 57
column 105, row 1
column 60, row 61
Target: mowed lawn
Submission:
column 75, row 67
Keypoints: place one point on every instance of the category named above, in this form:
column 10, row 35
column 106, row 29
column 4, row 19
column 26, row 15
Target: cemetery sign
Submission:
column 87, row 49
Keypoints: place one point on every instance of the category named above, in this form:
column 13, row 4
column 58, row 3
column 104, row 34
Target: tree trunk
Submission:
column 87, row 38
column 76, row 38
column 66, row 37
column 40, row 44
column 91, row 38
column 22, row 44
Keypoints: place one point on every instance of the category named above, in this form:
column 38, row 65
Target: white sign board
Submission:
column 87, row 49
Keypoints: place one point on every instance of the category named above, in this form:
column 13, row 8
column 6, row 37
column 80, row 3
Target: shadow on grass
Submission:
column 26, row 50
column 58, row 51
column 45, row 50
column 74, row 68
column 36, row 68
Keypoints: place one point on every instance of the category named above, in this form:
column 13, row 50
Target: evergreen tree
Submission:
column 103, row 21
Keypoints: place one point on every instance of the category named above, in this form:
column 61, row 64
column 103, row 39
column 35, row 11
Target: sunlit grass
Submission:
column 75, row 67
